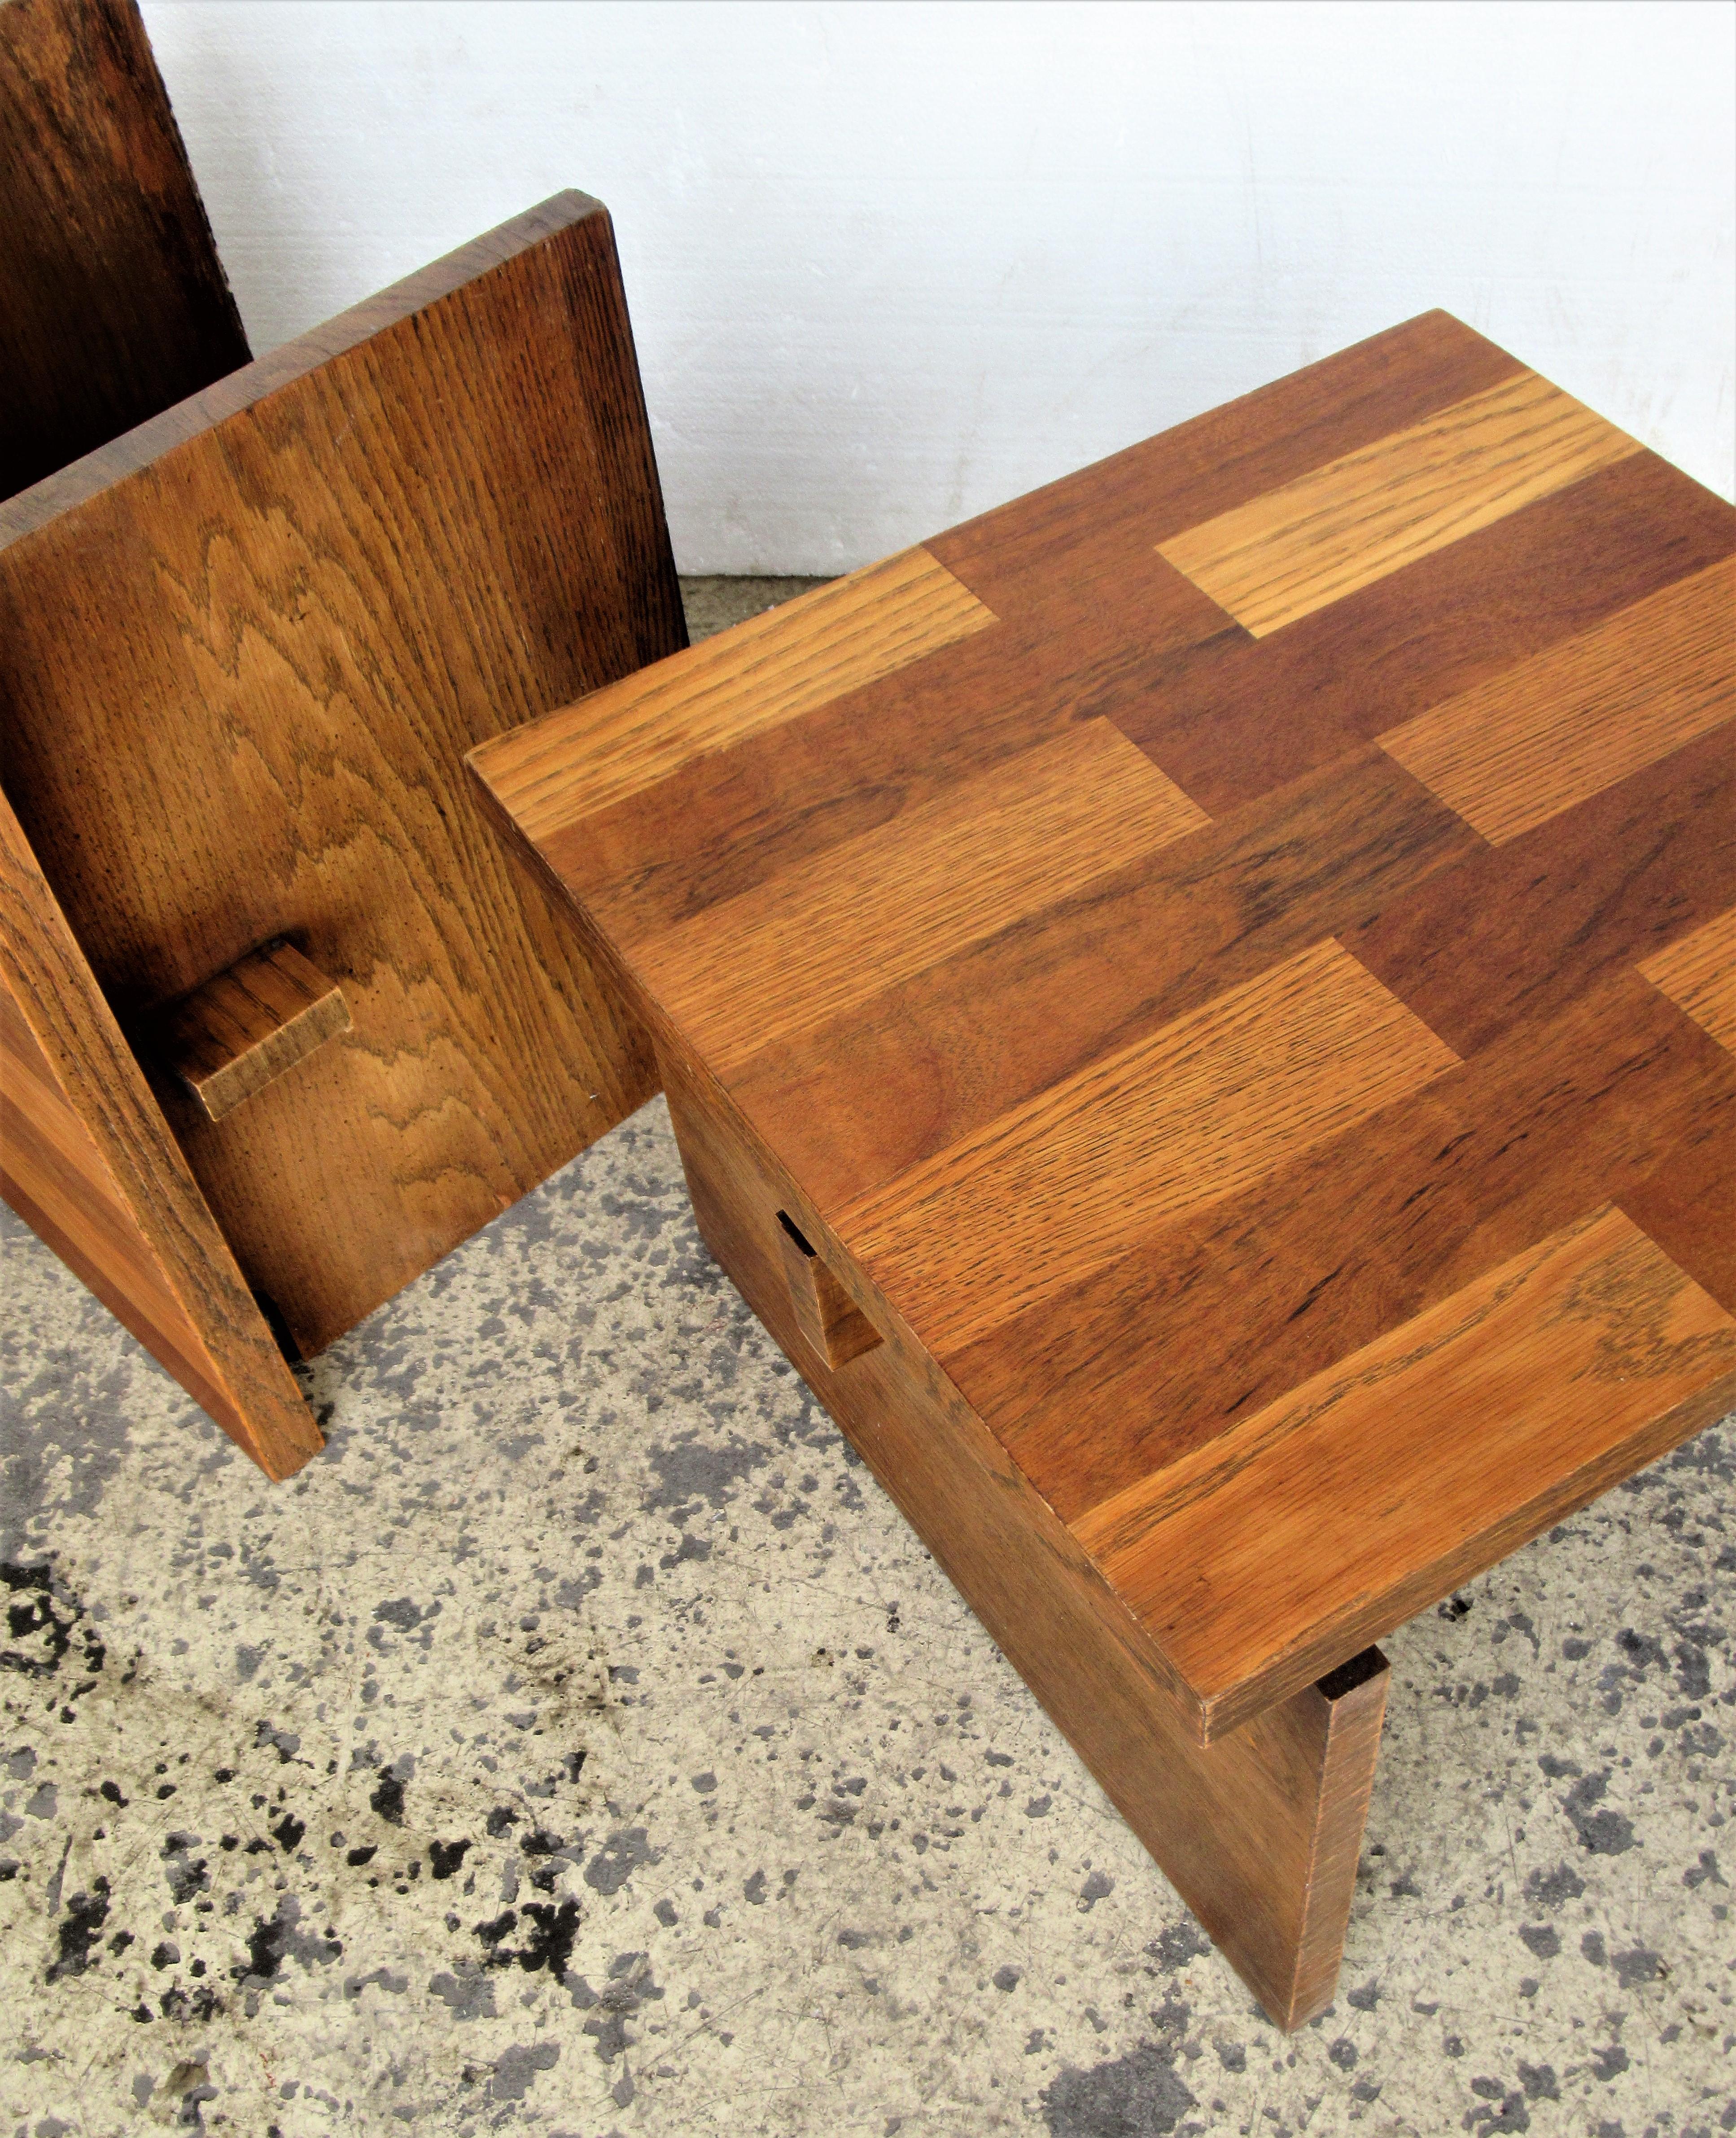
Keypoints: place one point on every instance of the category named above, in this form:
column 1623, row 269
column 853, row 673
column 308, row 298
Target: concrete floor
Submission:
column 583, row 1745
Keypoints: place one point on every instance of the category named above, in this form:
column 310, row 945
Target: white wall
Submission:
column 891, row 264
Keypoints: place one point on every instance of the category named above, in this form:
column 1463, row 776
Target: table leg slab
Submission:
column 1259, row 1831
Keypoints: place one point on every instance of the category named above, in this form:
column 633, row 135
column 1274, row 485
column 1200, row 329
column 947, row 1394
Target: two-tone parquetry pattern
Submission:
column 1236, row 949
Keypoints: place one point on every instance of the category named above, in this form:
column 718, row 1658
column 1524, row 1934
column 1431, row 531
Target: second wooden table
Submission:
column 1196, row 1009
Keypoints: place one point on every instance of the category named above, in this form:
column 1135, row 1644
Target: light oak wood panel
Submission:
column 1259, row 1832
column 1699, row 975
column 242, row 652
column 113, row 302
column 1327, row 1516
column 55, row 1178
column 1283, row 555
column 979, row 856
column 1554, row 731
column 1198, row 1112
column 766, row 671
column 88, row 1162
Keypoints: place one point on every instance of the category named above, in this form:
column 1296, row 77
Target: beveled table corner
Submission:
column 1198, row 1008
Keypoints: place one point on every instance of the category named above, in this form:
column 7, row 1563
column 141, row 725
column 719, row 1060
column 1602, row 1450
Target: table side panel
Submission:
column 113, row 301
column 1260, row 1832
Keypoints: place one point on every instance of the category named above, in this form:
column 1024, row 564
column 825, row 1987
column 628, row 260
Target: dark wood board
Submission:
column 113, row 303
column 242, row 652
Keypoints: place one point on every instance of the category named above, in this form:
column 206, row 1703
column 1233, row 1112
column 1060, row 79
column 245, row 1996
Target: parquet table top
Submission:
column 1234, row 952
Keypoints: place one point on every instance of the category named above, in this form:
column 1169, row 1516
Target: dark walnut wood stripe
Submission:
column 113, row 302
column 779, row 798
column 1158, row 1126
column 1255, row 715
column 1195, row 1114
column 1106, row 519
column 979, row 856
column 1579, row 717
column 1518, row 931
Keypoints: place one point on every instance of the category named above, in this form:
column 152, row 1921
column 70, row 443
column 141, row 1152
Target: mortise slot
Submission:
column 829, row 1318
column 230, row 1038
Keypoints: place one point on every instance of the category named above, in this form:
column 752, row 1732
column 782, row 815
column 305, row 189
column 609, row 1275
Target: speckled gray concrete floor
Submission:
column 583, row 1745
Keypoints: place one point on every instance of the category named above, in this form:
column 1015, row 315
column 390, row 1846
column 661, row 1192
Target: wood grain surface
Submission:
column 835, row 1328
column 1315, row 1183
column 87, row 1160
column 228, row 1039
column 1554, row 731
column 1243, row 716
column 242, row 652
column 1197, row 1114
column 1221, row 1554
column 1138, row 1139
column 1290, row 551
column 946, row 873
column 1698, row 972
column 113, row 302
column 765, row 673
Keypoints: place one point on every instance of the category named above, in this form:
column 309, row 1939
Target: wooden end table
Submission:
column 1197, row 1009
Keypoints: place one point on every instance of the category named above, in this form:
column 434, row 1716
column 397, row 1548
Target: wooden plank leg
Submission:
column 89, row 1162
column 1259, row 1831
column 113, row 302
column 478, row 426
